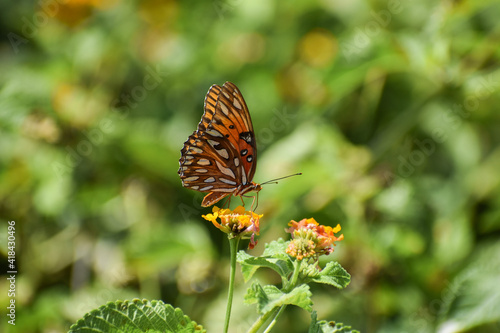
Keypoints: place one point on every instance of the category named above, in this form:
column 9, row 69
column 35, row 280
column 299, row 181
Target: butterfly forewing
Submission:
column 209, row 107
column 220, row 157
column 233, row 119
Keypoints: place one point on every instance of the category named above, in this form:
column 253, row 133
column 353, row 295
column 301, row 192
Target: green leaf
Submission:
column 277, row 249
column 135, row 316
column 333, row 274
column 270, row 297
column 250, row 264
column 246, row 269
column 324, row 326
column 256, row 294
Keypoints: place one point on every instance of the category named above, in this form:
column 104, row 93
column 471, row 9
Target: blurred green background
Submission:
column 388, row 108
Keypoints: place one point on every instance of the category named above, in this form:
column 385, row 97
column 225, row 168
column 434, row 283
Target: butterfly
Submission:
column 220, row 157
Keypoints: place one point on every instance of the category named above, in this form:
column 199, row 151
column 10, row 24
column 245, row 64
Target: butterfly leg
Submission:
column 257, row 204
column 254, row 199
column 247, row 196
column 228, row 201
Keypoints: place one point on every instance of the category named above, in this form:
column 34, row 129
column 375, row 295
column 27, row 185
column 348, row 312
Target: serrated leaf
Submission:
column 257, row 295
column 270, row 297
column 242, row 256
column 135, row 316
column 333, row 274
column 324, row 326
column 250, row 264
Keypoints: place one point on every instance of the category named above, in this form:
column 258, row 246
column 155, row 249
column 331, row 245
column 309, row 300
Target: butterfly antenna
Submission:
column 275, row 181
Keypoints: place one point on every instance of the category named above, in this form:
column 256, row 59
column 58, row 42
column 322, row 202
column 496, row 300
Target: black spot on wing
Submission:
column 247, row 137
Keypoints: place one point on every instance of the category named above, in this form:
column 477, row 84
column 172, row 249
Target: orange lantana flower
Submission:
column 310, row 239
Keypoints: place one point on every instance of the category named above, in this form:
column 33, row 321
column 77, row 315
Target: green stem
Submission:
column 275, row 319
column 292, row 283
column 277, row 311
column 261, row 321
column 233, row 245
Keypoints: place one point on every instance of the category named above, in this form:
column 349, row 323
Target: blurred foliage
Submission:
column 388, row 108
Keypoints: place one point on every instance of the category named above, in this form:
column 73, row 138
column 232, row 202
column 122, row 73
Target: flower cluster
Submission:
column 311, row 239
column 237, row 222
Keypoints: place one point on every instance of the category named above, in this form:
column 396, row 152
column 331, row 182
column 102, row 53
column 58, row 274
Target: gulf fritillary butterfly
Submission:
column 220, row 157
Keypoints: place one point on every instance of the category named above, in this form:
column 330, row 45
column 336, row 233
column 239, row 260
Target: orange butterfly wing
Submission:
column 220, row 156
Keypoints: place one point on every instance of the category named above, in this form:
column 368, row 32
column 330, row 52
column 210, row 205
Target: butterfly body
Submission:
column 220, row 157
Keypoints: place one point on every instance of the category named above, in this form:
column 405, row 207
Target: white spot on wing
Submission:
column 209, row 180
column 206, row 188
column 243, row 176
column 226, row 171
column 237, row 104
column 191, row 179
column 195, row 150
column 225, row 94
column 196, row 187
column 237, row 161
column 201, row 170
column 213, row 143
column 203, row 161
column 227, row 181
column 223, row 152
column 215, row 133
column 221, row 189
column 224, row 109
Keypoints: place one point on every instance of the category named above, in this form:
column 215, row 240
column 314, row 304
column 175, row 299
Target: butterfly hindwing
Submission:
column 202, row 167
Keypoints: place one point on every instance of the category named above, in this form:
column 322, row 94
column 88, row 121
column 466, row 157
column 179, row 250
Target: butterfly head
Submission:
column 243, row 189
column 256, row 187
